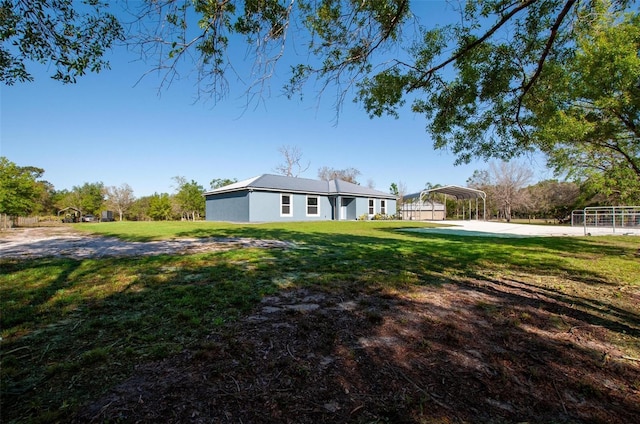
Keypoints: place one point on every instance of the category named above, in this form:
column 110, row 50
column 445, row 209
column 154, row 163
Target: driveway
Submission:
column 504, row 229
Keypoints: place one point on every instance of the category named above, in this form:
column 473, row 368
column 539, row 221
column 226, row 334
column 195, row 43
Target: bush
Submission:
column 383, row 217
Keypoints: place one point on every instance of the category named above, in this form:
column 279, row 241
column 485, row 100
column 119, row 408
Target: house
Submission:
column 279, row 198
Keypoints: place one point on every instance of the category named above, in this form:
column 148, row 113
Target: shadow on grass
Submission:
column 440, row 355
column 104, row 317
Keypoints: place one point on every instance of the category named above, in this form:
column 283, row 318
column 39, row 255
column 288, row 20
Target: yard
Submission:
column 324, row 322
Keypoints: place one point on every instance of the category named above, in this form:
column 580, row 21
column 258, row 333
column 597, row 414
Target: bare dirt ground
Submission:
column 63, row 241
column 431, row 357
column 471, row 351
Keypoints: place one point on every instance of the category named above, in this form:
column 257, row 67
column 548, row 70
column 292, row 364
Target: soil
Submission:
column 466, row 351
column 309, row 357
column 63, row 241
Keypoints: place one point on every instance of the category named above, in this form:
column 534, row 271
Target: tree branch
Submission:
column 543, row 57
column 427, row 75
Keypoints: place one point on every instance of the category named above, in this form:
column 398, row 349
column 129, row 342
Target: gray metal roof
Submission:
column 453, row 190
column 269, row 182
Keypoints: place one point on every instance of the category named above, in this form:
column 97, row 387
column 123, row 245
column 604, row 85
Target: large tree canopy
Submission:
column 587, row 108
column 20, row 188
column 73, row 36
column 485, row 81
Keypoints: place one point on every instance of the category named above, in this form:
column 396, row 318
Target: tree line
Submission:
column 23, row 192
column 508, row 185
column 511, row 192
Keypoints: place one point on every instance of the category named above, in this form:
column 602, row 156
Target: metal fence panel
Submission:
column 606, row 217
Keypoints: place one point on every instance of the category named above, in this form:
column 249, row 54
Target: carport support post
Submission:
column 445, row 206
column 484, row 208
column 477, row 219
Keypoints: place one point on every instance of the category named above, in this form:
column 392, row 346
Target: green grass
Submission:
column 73, row 328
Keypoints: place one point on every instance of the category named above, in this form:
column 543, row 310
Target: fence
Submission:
column 606, row 218
column 8, row 221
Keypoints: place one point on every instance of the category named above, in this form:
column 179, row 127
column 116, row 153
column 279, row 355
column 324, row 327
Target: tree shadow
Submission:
column 441, row 357
column 406, row 328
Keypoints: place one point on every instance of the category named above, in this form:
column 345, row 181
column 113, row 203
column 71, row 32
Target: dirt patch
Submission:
column 432, row 355
column 63, row 241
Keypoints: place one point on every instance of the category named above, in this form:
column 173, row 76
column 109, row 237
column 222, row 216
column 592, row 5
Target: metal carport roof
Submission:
column 458, row 192
column 461, row 193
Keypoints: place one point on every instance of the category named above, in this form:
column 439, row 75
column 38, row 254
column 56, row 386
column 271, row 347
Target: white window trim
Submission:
column 307, row 206
column 371, row 209
column 290, row 204
column 383, row 206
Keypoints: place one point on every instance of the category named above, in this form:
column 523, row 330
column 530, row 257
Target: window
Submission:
column 383, row 207
column 285, row 205
column 313, row 206
column 371, row 207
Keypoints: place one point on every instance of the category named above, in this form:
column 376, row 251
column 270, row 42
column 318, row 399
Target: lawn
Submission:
column 523, row 329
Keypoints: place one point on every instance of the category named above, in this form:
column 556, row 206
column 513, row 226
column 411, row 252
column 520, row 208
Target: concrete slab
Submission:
column 505, row 229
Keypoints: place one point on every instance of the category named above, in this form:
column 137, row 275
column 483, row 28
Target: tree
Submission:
column 120, row 198
column 189, row 199
column 89, row 197
column 140, row 208
column 349, row 174
column 481, row 180
column 554, row 199
column 45, row 204
column 589, row 121
column 291, row 167
column 398, row 189
column 482, row 81
column 20, row 189
column 504, row 184
column 71, row 37
column 160, row 207
column 221, row 182
column 509, row 180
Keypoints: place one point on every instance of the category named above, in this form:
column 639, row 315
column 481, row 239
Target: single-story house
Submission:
column 279, row 198
column 416, row 207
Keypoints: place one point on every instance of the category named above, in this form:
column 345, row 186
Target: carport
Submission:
column 461, row 193
column 71, row 214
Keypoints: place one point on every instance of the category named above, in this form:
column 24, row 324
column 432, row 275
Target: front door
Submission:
column 344, row 207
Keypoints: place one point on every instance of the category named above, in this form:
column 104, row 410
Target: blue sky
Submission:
column 107, row 128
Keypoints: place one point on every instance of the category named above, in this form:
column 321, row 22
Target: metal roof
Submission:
column 268, row 182
column 458, row 192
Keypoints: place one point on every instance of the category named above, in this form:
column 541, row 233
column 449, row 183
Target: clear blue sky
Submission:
column 106, row 128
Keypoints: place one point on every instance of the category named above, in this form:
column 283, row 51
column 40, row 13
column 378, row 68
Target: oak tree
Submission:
column 120, row 198
column 71, row 37
column 292, row 165
column 348, row 174
column 20, row 188
column 492, row 82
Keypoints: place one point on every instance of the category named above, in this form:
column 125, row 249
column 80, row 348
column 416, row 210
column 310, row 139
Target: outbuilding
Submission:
column 422, row 206
column 416, row 207
column 267, row 198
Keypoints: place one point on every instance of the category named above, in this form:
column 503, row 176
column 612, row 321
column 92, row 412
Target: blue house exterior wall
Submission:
column 265, row 207
column 228, row 207
column 259, row 199
column 362, row 206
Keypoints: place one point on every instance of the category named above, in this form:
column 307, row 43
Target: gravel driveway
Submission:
column 61, row 241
